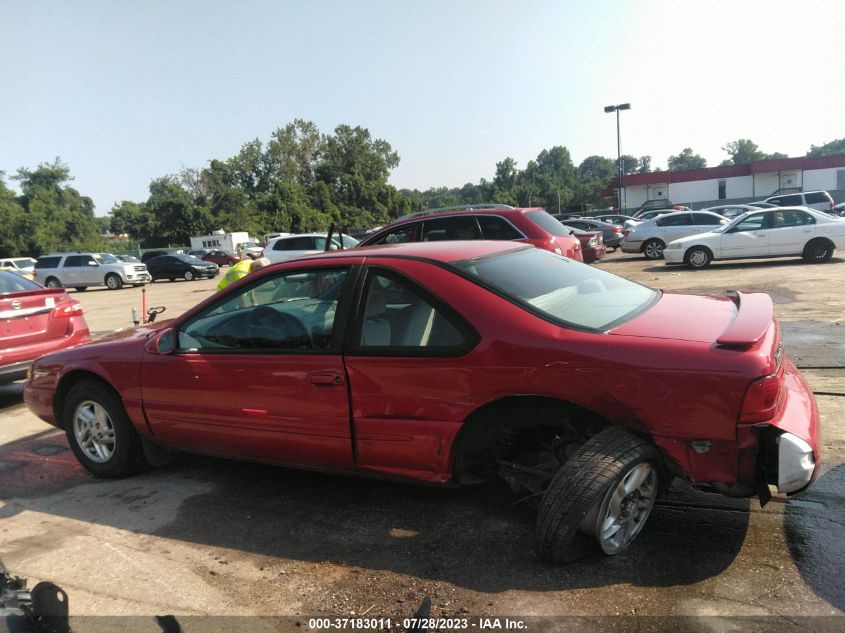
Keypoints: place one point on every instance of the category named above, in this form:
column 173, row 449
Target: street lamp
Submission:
column 617, row 108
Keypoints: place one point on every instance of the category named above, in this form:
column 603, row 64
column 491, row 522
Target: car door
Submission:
column 749, row 238
column 72, row 272
column 406, row 374
column 259, row 373
column 791, row 230
column 674, row 227
column 89, row 271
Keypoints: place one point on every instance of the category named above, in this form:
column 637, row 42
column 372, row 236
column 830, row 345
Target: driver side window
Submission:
column 288, row 312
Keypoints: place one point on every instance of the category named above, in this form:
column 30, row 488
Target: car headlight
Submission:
column 674, row 245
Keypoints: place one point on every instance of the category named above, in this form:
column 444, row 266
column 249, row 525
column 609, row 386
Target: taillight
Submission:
column 762, row 399
column 616, row 229
column 72, row 310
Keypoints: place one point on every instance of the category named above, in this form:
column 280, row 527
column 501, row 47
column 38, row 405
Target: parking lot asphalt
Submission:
column 205, row 536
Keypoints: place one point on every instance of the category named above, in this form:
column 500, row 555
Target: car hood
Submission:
column 697, row 238
column 141, row 331
column 686, row 317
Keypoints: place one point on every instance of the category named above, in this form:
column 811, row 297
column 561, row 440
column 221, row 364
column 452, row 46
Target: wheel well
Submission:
column 503, row 428
column 651, row 239
column 67, row 383
column 820, row 239
column 701, row 246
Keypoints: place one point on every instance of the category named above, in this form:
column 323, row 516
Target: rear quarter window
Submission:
column 818, row 196
column 47, row 262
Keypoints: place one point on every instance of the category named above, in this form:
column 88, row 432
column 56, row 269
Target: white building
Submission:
column 736, row 183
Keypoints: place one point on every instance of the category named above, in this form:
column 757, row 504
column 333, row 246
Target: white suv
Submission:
column 80, row 270
column 819, row 200
column 290, row 246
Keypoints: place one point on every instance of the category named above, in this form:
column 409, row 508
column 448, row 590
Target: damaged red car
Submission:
column 454, row 363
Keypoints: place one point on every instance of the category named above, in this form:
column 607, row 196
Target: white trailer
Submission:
column 221, row 240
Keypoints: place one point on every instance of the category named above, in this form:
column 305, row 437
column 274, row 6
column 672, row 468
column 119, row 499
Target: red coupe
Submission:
column 452, row 363
column 33, row 321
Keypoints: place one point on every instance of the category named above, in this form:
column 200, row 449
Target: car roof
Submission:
column 446, row 251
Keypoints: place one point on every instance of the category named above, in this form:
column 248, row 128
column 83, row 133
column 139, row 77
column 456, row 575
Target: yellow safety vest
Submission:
column 238, row 271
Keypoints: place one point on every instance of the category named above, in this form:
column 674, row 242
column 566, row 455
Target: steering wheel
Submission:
column 267, row 327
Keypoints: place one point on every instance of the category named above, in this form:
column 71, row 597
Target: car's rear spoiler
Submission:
column 754, row 314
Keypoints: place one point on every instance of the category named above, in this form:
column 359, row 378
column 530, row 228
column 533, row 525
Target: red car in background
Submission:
column 221, row 258
column 481, row 222
column 455, row 363
column 593, row 247
column 34, row 321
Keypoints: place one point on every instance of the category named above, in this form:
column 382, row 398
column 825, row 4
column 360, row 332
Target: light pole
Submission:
column 617, row 108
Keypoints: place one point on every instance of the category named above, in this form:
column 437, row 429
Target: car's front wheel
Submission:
column 698, row 257
column 653, row 249
column 189, row 276
column 99, row 431
column 605, row 490
column 114, row 282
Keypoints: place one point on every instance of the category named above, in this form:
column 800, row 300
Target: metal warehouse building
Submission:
column 737, row 183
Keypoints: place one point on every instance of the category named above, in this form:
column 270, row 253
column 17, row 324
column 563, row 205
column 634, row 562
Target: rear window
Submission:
column 47, row 262
column 561, row 290
column 547, row 223
column 295, row 244
column 703, row 218
column 12, row 282
column 818, row 196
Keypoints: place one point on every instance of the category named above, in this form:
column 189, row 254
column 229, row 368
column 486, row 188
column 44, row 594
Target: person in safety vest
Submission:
column 242, row 269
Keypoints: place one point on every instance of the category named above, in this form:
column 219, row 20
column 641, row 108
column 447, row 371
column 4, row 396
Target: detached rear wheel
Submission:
column 606, row 490
column 99, row 431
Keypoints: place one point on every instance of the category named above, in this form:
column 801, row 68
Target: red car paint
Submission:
column 220, row 258
column 562, row 243
column 35, row 321
column 660, row 374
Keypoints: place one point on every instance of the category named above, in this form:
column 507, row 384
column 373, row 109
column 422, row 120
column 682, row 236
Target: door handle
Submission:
column 326, row 378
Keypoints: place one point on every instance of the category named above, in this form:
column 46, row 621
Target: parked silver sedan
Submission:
column 652, row 236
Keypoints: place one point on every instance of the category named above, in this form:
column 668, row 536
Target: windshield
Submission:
column 560, row 289
column 106, row 258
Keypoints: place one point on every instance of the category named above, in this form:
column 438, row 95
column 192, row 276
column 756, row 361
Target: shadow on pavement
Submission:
column 471, row 537
column 815, row 533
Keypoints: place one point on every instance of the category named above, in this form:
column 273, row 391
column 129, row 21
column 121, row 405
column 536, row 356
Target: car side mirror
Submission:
column 162, row 343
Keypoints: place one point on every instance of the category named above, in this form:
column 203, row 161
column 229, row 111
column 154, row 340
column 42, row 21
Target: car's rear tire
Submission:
column 188, row 276
column 818, row 251
column 99, row 431
column 584, row 496
column 698, row 257
column 52, row 282
column 114, row 282
column 653, row 249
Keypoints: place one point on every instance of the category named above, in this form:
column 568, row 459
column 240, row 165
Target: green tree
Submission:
column 828, row 149
column 55, row 216
column 743, row 151
column 176, row 216
column 645, row 165
column 686, row 159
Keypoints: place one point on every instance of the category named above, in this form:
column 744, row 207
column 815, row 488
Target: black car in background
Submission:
column 612, row 233
column 174, row 267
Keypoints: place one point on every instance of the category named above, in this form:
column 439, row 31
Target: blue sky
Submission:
column 128, row 91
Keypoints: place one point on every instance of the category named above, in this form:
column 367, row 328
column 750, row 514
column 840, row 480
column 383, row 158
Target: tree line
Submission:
column 302, row 180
